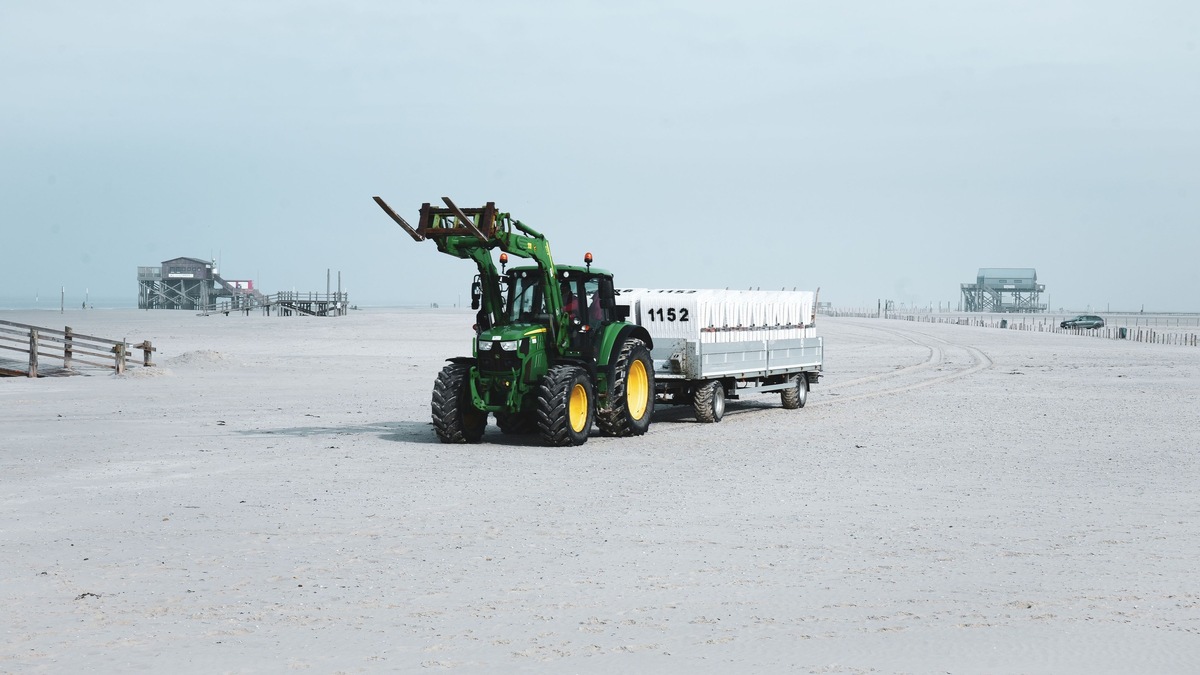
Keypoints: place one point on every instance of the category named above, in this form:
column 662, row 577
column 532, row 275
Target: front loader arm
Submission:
column 472, row 234
column 533, row 245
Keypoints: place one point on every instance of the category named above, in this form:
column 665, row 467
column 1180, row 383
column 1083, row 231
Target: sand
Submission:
column 272, row 497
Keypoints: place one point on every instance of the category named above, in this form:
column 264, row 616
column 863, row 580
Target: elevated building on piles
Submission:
column 1004, row 289
column 192, row 283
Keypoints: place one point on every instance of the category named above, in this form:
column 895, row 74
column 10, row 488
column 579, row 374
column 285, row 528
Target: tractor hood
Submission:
column 509, row 337
column 512, row 331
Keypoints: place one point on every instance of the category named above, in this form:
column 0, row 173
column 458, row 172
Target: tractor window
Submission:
column 581, row 300
column 595, row 312
column 525, row 302
column 572, row 302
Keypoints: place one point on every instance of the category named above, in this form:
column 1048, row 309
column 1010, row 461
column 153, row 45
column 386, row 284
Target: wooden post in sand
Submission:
column 33, row 347
column 119, row 350
column 67, row 351
column 146, row 348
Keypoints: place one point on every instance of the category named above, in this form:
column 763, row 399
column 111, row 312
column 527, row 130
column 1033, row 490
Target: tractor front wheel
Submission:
column 565, row 407
column 631, row 393
column 455, row 417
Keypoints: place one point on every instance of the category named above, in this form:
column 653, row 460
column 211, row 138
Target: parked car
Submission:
column 1083, row 321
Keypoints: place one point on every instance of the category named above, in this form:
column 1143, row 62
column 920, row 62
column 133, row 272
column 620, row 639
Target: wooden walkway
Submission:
column 291, row 304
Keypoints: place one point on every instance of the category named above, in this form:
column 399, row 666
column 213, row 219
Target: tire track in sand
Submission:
column 910, row 377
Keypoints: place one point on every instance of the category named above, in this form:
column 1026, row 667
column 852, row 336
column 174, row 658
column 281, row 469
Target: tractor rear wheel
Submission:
column 517, row 423
column 565, row 406
column 795, row 397
column 709, row 401
column 631, row 393
column 455, row 417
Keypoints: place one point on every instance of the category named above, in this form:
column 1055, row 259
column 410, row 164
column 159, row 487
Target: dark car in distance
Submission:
column 1083, row 321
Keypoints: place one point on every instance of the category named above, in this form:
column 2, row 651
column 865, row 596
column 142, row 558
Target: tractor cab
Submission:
column 588, row 301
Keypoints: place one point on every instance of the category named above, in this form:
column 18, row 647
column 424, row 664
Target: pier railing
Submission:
column 287, row 303
column 67, row 346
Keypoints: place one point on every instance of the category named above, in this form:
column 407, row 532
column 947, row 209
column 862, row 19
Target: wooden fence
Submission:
column 1152, row 329
column 1131, row 333
column 1132, row 320
column 67, row 346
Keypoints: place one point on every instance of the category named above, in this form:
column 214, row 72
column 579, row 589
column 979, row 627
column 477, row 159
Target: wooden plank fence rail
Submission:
column 68, row 346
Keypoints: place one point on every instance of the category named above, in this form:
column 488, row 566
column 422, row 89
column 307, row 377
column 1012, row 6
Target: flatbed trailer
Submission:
column 712, row 345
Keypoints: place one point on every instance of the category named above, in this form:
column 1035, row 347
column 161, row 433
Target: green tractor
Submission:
column 553, row 352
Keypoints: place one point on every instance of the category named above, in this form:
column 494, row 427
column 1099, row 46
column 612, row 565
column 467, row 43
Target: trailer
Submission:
column 714, row 345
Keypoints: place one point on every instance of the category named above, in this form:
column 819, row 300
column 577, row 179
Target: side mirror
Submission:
column 476, row 293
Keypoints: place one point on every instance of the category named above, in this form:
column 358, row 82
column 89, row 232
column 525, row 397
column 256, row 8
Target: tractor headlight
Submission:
column 485, row 345
column 510, row 345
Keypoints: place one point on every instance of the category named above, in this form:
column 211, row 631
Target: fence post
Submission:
column 119, row 350
column 146, row 349
column 67, row 351
column 33, row 355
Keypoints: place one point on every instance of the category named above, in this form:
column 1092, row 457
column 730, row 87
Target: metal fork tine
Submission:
column 464, row 220
column 399, row 220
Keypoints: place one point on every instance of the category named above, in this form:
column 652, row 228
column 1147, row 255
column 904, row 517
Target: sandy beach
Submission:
column 271, row 497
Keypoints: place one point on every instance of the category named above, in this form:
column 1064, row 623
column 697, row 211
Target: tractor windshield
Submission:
column 525, row 301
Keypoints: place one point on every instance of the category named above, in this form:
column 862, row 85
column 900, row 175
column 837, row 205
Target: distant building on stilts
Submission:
column 1004, row 289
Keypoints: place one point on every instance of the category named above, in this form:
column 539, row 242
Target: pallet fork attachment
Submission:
column 452, row 221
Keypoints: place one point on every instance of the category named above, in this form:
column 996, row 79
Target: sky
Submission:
column 876, row 150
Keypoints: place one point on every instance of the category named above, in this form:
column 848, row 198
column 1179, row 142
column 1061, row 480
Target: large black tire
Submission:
column 517, row 423
column 709, row 401
column 631, row 393
column 455, row 417
column 797, row 396
column 565, row 406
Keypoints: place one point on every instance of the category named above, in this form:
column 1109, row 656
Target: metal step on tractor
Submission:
column 553, row 352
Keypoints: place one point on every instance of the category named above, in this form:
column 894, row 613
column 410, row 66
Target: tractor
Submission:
column 553, row 352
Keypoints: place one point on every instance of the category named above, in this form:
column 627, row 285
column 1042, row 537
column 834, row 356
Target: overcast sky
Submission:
column 873, row 149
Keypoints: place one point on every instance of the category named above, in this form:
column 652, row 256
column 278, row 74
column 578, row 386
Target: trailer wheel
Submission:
column 709, row 401
column 797, row 396
column 565, row 407
column 630, row 401
column 455, row 417
column 517, row 423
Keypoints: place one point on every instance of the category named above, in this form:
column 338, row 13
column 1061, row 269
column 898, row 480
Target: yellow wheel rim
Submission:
column 577, row 408
column 637, row 389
